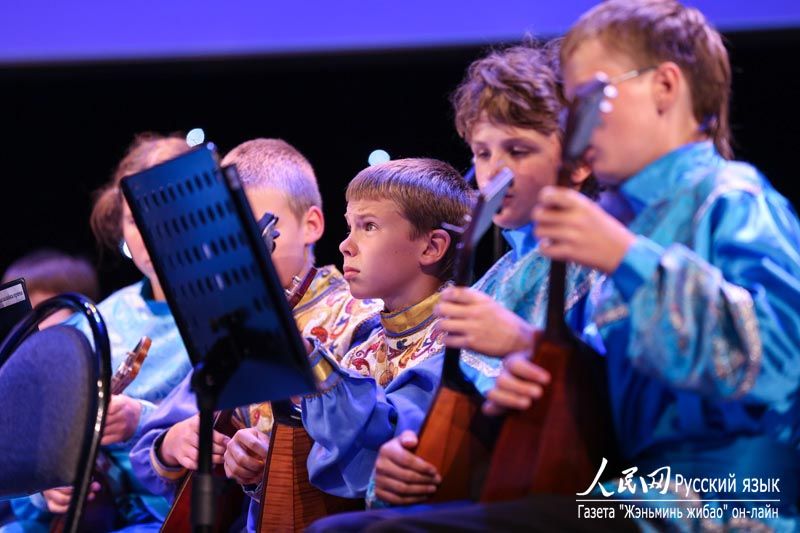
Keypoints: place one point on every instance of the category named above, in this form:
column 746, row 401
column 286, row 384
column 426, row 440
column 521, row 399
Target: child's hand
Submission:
column 402, row 478
column 58, row 499
column 473, row 320
column 245, row 456
column 180, row 445
column 520, row 382
column 122, row 419
column 570, row 227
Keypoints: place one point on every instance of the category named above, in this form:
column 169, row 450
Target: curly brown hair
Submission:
column 516, row 86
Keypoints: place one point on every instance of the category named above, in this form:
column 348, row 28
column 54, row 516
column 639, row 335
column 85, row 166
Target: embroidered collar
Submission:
column 521, row 240
column 412, row 318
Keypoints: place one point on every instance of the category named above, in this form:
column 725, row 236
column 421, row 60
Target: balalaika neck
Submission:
column 452, row 377
column 556, row 328
column 284, row 411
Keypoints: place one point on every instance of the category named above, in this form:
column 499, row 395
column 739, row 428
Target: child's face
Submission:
column 136, row 245
column 627, row 139
column 290, row 254
column 532, row 156
column 380, row 258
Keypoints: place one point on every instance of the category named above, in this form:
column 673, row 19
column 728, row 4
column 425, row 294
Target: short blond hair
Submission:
column 427, row 192
column 276, row 164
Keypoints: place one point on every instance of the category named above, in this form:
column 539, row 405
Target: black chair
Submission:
column 54, row 394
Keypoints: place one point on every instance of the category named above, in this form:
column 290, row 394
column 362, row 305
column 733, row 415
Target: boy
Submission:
column 706, row 268
column 507, row 110
column 279, row 180
column 513, row 123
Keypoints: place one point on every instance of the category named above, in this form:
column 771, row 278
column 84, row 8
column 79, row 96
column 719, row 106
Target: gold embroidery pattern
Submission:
column 328, row 313
column 407, row 338
column 746, row 324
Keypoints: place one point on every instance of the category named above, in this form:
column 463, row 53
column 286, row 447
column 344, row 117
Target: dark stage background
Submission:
column 64, row 127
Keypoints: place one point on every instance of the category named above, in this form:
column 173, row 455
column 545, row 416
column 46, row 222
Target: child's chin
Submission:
column 357, row 291
column 507, row 220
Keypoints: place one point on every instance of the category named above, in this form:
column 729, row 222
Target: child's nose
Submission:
column 346, row 247
column 497, row 164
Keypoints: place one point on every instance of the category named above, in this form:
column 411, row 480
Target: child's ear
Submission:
column 667, row 80
column 313, row 225
column 436, row 248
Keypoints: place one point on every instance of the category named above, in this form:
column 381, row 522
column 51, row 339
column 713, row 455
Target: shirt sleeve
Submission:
column 158, row 478
column 353, row 416
column 720, row 316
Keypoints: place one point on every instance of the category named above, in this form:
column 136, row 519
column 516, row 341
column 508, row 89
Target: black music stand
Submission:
column 223, row 290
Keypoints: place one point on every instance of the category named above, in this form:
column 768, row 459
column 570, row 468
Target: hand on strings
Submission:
column 402, row 478
column 180, row 445
column 475, row 321
column 122, row 419
column 519, row 384
column 245, row 456
column 571, row 227
column 58, row 499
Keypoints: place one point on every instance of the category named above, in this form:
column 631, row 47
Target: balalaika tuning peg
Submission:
column 610, row 92
column 296, row 281
column 458, row 230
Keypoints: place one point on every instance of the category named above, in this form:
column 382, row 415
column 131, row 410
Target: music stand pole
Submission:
column 203, row 485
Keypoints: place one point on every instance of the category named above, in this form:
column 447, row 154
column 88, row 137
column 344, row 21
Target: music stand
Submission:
column 223, row 290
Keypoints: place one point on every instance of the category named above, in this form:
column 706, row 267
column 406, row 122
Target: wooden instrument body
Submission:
column 230, row 499
column 458, row 440
column 557, row 445
column 456, row 437
column 289, row 502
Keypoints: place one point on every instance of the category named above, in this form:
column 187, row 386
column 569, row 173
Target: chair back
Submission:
column 54, row 394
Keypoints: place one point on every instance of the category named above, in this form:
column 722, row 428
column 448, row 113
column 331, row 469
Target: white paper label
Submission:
column 12, row 295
